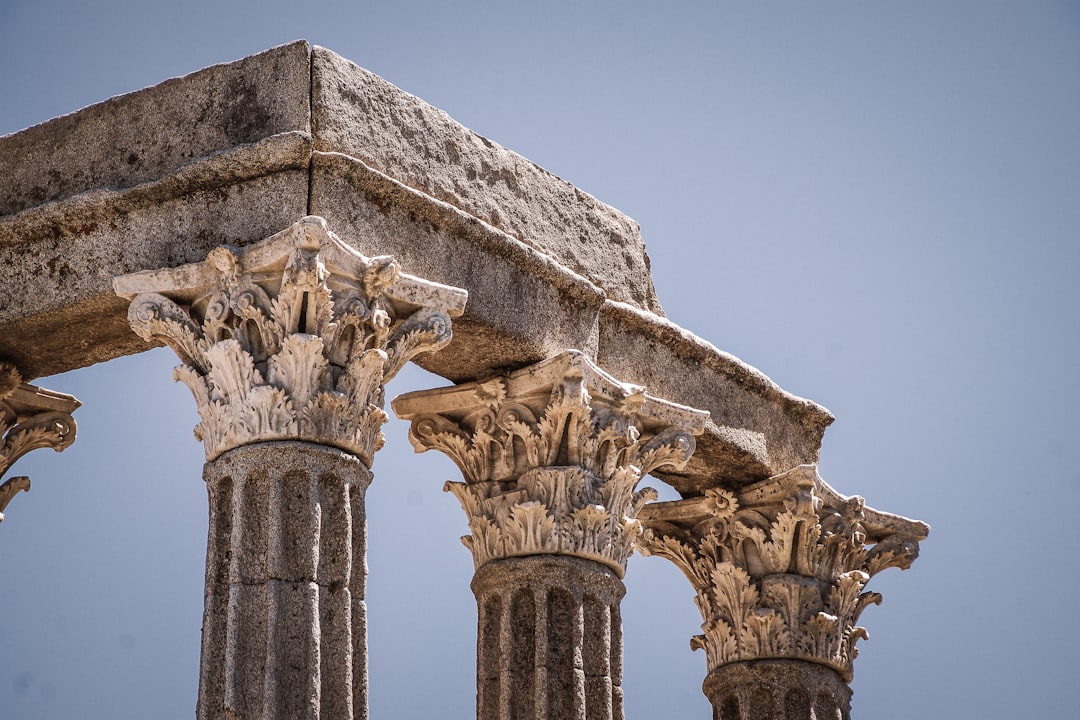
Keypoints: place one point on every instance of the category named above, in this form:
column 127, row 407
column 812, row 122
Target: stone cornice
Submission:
column 550, row 455
column 30, row 418
column 780, row 566
column 292, row 337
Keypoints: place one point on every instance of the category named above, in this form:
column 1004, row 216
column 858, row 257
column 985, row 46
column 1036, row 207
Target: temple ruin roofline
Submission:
column 237, row 152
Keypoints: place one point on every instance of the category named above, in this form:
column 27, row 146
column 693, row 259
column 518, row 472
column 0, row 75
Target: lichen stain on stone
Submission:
column 246, row 114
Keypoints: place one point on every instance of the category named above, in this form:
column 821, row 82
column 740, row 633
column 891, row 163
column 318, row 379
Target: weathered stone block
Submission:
column 237, row 152
column 59, row 311
column 523, row 306
column 142, row 136
column 756, row 429
column 358, row 113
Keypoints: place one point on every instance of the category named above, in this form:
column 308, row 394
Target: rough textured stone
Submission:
column 777, row 690
column 523, row 306
column 234, row 183
column 549, row 640
column 142, row 136
column 360, row 114
column 57, row 263
column 284, row 618
column 756, row 429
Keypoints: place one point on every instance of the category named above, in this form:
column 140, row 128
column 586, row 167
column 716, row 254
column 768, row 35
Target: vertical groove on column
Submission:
column 596, row 651
column 728, row 709
column 358, row 611
column 335, row 621
column 548, row 642
column 245, row 667
column 565, row 677
column 488, row 658
column 216, row 597
column 522, row 627
column 292, row 643
column 505, row 646
column 797, row 705
column 761, row 705
column 283, row 636
column 777, row 690
column 828, row 707
column 616, row 653
column 541, row 653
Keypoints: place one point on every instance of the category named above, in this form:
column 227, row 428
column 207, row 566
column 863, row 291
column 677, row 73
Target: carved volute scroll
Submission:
column 780, row 566
column 292, row 337
column 30, row 418
column 550, row 455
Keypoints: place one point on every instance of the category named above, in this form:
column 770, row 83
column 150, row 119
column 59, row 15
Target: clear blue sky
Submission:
column 877, row 204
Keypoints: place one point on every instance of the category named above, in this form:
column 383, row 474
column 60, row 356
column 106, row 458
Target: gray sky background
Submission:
column 876, row 204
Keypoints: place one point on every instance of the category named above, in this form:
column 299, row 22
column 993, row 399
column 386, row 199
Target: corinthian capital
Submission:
column 292, row 337
column 550, row 455
column 30, row 418
column 780, row 566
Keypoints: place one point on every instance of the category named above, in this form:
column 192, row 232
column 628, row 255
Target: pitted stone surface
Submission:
column 359, row 114
column 777, row 690
column 161, row 128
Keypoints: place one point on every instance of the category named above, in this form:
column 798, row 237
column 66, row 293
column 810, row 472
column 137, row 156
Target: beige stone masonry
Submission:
column 31, row 418
column 237, row 152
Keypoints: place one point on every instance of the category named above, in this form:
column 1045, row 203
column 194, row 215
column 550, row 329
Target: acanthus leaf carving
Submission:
column 293, row 337
column 780, row 566
column 31, row 418
column 551, row 455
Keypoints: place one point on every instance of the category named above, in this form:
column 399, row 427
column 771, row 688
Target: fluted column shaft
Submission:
column 777, row 690
column 549, row 640
column 284, row 626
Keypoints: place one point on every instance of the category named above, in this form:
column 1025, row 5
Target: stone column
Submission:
column 550, row 456
column 286, row 345
column 780, row 568
column 30, row 418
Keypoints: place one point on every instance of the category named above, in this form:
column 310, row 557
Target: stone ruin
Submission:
column 297, row 229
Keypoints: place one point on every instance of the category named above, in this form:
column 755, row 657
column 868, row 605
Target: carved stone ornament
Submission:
column 30, row 418
column 292, row 337
column 550, row 455
column 779, row 566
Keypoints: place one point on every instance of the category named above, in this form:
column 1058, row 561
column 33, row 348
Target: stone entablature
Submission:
column 291, row 338
column 288, row 336
column 780, row 566
column 160, row 177
column 31, row 418
column 551, row 455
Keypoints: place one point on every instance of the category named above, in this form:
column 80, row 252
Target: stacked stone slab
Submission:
column 271, row 220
